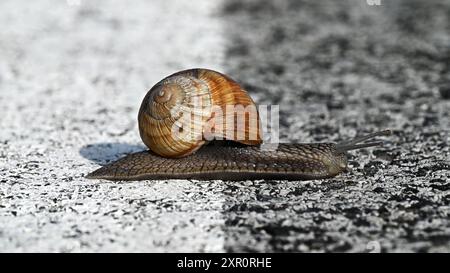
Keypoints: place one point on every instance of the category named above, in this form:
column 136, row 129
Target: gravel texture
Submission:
column 73, row 74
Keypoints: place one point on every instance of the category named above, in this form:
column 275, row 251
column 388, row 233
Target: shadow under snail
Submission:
column 173, row 156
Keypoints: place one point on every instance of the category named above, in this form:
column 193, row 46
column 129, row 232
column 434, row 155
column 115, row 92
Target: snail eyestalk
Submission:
column 355, row 143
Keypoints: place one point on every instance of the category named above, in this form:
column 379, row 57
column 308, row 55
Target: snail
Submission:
column 177, row 152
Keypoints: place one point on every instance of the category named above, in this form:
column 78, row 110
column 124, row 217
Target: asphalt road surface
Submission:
column 73, row 74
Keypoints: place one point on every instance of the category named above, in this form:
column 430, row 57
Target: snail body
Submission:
column 179, row 152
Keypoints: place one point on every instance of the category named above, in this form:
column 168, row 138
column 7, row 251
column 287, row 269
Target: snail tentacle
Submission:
column 356, row 142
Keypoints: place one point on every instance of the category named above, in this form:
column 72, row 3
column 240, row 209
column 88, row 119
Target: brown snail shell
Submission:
column 185, row 102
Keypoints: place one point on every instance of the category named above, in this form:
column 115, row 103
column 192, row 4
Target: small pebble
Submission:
column 444, row 90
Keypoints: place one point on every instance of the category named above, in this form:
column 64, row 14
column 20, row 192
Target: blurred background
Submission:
column 73, row 74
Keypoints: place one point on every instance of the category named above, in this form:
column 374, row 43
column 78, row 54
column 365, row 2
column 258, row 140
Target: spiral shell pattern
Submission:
column 179, row 113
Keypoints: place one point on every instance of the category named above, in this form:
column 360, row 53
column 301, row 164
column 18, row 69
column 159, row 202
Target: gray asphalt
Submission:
column 73, row 74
